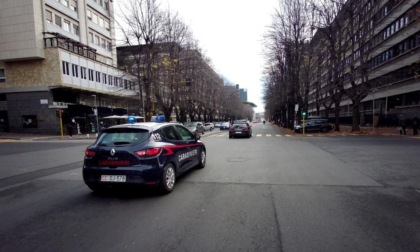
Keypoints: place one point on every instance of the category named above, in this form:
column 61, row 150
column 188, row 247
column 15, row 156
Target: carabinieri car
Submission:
column 142, row 154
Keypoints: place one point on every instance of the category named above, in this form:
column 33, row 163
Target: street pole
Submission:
column 96, row 114
column 373, row 113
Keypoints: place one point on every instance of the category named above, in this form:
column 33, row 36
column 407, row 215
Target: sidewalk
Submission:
column 24, row 136
column 345, row 130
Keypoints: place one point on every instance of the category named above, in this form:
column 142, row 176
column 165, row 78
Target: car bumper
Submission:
column 140, row 175
column 237, row 133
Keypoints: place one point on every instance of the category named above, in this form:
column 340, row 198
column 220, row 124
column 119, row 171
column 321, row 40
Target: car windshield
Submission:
column 113, row 137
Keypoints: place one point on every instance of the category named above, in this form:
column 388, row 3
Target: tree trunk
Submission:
column 356, row 118
column 337, row 115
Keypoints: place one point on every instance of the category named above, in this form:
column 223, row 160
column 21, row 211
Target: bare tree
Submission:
column 288, row 38
column 171, row 81
column 142, row 23
column 330, row 24
column 359, row 31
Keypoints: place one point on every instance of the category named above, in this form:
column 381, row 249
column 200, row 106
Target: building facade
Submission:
column 59, row 55
column 388, row 63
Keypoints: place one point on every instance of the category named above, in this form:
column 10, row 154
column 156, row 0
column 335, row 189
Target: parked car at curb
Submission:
column 208, row 126
column 150, row 154
column 314, row 125
column 195, row 127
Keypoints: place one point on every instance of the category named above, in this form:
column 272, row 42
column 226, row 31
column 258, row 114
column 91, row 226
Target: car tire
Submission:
column 96, row 188
column 324, row 130
column 167, row 183
column 202, row 161
column 230, row 136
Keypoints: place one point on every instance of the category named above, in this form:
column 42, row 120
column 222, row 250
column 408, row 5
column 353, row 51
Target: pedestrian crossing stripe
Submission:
column 256, row 135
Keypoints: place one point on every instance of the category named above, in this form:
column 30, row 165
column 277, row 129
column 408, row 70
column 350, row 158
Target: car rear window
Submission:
column 116, row 137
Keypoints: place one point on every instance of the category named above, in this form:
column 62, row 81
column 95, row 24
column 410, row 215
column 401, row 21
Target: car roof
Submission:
column 151, row 126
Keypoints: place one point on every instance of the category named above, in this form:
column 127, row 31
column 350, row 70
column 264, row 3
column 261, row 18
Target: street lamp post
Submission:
column 96, row 114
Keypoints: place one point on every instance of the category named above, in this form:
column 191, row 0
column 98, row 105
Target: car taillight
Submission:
column 151, row 152
column 89, row 153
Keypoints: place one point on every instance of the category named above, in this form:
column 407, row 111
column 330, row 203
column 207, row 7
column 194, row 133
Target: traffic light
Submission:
column 57, row 113
column 303, row 113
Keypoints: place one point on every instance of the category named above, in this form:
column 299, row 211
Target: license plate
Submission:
column 114, row 162
column 238, row 132
column 113, row 178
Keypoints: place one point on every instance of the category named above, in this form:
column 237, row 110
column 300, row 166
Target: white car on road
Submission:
column 208, row 126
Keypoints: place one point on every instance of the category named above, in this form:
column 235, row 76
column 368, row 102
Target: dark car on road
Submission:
column 142, row 154
column 240, row 129
column 315, row 125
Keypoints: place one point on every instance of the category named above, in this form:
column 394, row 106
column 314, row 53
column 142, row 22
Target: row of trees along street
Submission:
column 318, row 54
column 171, row 71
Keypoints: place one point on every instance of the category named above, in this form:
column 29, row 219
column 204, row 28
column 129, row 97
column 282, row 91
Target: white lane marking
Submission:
column 277, row 135
column 258, row 135
column 268, row 135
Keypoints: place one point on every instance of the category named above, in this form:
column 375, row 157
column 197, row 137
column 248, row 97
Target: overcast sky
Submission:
column 230, row 32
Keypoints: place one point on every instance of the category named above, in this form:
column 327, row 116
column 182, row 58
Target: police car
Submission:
column 147, row 153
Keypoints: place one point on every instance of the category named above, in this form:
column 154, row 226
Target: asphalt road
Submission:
column 271, row 192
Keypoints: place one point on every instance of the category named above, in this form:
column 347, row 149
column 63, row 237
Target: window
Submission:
column 96, row 40
column 106, row 25
column 101, row 22
column 109, row 46
column 95, row 18
column 48, row 15
column 29, row 121
column 73, row 5
column 83, row 73
column 58, row 20
column 98, row 76
column 65, row 2
column 89, row 14
column 104, row 78
column 90, row 74
column 106, row 5
column 66, row 68
column 2, row 76
column 185, row 134
column 66, row 25
column 75, row 29
column 91, row 37
column 110, row 79
column 103, row 45
column 75, row 71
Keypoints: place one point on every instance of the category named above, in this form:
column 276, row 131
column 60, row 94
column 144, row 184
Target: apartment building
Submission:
column 392, row 63
column 60, row 56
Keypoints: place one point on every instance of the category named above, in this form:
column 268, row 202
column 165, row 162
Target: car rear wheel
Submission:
column 202, row 162
column 324, row 130
column 168, row 179
column 96, row 188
